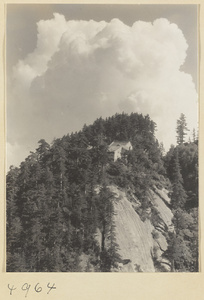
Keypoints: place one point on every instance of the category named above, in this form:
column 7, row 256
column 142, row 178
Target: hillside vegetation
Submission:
column 71, row 208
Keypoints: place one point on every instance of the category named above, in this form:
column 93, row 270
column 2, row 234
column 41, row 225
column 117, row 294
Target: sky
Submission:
column 70, row 64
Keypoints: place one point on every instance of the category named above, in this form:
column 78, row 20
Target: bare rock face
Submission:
column 139, row 240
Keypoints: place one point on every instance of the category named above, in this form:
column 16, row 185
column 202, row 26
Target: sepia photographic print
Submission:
column 102, row 138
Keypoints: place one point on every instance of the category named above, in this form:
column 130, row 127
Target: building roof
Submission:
column 115, row 145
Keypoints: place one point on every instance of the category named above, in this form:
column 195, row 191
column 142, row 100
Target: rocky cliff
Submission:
column 140, row 242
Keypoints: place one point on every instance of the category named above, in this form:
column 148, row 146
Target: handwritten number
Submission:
column 11, row 289
column 26, row 288
column 38, row 290
column 51, row 287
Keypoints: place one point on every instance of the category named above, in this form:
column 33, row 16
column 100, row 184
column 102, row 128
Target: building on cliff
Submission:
column 117, row 148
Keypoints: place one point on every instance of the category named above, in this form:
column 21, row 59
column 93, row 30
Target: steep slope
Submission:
column 135, row 237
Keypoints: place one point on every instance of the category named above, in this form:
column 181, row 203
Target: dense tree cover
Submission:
column 59, row 206
column 181, row 163
column 187, row 162
column 54, row 209
column 182, row 250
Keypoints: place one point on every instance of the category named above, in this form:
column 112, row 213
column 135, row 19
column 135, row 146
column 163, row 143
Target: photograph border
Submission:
column 100, row 285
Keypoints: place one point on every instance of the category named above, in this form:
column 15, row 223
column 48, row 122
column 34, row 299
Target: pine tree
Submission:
column 13, row 223
column 178, row 196
column 108, row 252
column 181, row 129
column 195, row 137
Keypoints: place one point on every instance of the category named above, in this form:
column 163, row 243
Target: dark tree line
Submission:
column 59, row 205
column 181, row 163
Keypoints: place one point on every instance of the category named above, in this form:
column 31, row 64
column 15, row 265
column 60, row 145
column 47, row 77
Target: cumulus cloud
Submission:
column 81, row 70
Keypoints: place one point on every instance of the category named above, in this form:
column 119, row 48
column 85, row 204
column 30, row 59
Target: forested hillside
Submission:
column 60, row 201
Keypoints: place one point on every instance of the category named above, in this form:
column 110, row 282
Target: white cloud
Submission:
column 81, row 70
column 35, row 64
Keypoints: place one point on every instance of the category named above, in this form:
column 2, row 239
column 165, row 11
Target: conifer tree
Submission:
column 13, row 222
column 178, row 197
column 181, row 129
